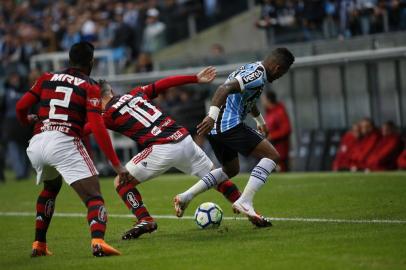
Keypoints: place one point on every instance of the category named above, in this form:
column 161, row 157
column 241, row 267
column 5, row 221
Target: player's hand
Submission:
column 205, row 126
column 32, row 118
column 263, row 129
column 123, row 174
column 207, row 75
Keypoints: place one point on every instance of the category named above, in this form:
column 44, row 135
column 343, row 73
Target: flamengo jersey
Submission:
column 135, row 117
column 252, row 78
column 65, row 98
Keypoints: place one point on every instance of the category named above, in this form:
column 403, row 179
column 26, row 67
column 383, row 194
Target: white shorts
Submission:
column 53, row 153
column 185, row 156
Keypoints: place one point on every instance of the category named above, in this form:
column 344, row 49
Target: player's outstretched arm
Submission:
column 218, row 100
column 207, row 75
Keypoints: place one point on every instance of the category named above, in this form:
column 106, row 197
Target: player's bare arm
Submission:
column 261, row 125
column 218, row 100
column 207, row 75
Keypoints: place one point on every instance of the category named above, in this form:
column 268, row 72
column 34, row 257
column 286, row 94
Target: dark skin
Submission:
column 264, row 149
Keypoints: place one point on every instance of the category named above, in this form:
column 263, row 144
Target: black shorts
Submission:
column 239, row 139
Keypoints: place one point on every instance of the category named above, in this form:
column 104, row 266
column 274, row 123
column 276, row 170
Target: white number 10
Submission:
column 62, row 103
column 144, row 117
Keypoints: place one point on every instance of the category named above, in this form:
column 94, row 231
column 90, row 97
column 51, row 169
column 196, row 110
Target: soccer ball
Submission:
column 208, row 215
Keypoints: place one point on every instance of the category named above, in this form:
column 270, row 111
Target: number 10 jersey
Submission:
column 134, row 116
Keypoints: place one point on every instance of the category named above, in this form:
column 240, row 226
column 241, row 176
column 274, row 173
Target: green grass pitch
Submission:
column 179, row 244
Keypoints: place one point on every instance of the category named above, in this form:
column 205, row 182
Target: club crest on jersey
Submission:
column 94, row 101
column 102, row 216
column 254, row 75
column 49, row 208
column 132, row 200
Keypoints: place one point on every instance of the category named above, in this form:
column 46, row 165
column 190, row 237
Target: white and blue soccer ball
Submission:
column 208, row 215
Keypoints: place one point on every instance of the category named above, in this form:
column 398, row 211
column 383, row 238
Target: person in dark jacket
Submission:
column 15, row 136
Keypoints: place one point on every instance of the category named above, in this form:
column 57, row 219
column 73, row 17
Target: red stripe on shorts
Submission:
column 144, row 154
column 85, row 156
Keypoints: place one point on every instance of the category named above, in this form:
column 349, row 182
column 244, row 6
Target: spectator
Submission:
column 144, row 63
column 15, row 136
column 217, row 55
column 401, row 162
column 363, row 148
column 347, row 12
column 329, row 23
column 70, row 37
column 347, row 144
column 154, row 32
column 383, row 156
column 278, row 123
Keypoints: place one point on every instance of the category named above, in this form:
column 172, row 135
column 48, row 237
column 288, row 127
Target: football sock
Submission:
column 45, row 208
column 96, row 216
column 133, row 200
column 229, row 190
column 257, row 179
column 208, row 181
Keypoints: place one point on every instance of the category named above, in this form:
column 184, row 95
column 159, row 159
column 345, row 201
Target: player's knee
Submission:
column 53, row 185
column 231, row 172
column 116, row 181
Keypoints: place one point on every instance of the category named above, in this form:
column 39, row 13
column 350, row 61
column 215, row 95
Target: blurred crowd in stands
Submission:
column 136, row 29
column 133, row 29
column 318, row 19
column 368, row 148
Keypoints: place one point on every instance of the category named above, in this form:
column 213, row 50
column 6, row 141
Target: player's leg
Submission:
column 45, row 210
column 88, row 190
column 69, row 156
column 195, row 162
column 46, row 199
column 268, row 158
column 149, row 163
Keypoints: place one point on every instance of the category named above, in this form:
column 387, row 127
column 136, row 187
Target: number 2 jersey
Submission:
column 251, row 78
column 134, row 116
column 64, row 99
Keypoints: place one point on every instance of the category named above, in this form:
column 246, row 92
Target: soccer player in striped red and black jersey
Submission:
column 166, row 143
column 66, row 99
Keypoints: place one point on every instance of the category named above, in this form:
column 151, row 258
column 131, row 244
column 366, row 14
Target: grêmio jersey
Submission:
column 252, row 78
column 134, row 116
column 64, row 99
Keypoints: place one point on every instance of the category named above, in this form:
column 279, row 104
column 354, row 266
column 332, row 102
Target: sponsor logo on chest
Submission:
column 67, row 78
column 253, row 76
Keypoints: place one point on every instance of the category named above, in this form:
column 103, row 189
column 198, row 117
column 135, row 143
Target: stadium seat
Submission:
column 318, row 149
column 332, row 145
column 302, row 153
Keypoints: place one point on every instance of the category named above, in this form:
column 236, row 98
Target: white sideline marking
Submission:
column 295, row 219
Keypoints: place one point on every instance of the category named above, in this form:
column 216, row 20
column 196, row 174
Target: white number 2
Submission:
column 140, row 114
column 62, row 103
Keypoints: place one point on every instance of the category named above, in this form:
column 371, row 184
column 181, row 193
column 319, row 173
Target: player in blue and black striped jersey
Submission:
column 228, row 135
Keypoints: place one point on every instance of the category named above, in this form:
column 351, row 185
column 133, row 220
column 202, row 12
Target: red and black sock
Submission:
column 132, row 198
column 229, row 190
column 96, row 216
column 45, row 208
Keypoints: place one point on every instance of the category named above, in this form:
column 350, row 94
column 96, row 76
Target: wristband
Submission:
column 214, row 112
column 260, row 120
